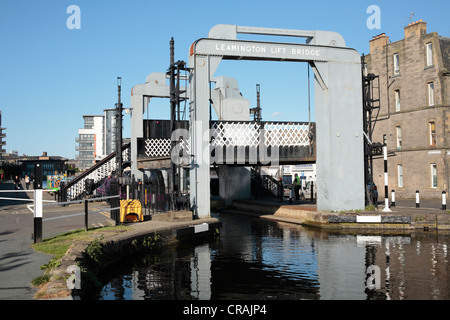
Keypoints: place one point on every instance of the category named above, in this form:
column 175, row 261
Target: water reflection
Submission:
column 256, row 259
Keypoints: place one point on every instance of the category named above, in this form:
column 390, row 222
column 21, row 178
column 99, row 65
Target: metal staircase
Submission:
column 92, row 178
column 265, row 186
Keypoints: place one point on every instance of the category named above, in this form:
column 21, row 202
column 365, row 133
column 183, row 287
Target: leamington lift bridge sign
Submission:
column 338, row 107
column 276, row 51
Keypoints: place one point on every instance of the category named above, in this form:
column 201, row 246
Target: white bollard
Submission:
column 417, row 199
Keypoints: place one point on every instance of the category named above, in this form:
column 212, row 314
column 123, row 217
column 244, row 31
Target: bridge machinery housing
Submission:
column 234, row 141
column 338, row 101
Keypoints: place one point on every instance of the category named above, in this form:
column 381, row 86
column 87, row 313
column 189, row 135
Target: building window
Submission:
column 431, row 94
column 396, row 64
column 400, row 175
column 398, row 137
column 88, row 122
column 429, row 54
column 86, row 137
column 433, row 175
column 432, row 133
column 397, row 100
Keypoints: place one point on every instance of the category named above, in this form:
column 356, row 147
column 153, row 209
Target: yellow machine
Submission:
column 131, row 211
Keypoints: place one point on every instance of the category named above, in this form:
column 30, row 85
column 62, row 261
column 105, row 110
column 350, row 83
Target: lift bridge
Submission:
column 236, row 148
column 233, row 139
column 232, row 143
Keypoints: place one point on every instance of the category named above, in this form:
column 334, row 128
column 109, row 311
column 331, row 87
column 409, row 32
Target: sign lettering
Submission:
column 252, row 48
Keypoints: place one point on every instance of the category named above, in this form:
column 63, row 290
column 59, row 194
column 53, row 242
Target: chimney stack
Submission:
column 378, row 42
column 415, row 30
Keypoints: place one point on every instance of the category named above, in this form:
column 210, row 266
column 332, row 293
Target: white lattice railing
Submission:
column 280, row 134
column 160, row 147
column 286, row 134
column 157, row 147
column 230, row 134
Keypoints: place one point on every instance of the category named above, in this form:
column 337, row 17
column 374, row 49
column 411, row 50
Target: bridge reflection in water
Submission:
column 260, row 260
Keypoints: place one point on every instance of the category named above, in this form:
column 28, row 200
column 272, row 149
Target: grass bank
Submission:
column 58, row 247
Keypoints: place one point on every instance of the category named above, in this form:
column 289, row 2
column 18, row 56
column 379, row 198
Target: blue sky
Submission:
column 51, row 75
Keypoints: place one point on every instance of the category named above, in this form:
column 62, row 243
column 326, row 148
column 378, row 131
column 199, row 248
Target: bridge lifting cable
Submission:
column 310, row 135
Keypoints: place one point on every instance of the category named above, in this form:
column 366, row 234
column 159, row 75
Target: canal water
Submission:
column 257, row 259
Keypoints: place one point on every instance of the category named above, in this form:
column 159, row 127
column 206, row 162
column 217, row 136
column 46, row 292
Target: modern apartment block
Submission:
column 2, row 136
column 97, row 139
column 414, row 111
column 90, row 141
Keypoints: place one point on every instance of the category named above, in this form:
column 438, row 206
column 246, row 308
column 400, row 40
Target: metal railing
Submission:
column 241, row 133
column 252, row 134
column 38, row 204
column 22, row 199
column 76, row 189
column 86, row 211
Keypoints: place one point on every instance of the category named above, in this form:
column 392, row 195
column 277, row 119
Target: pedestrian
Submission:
column 17, row 183
column 108, row 186
column 373, row 193
column 27, row 181
column 297, row 183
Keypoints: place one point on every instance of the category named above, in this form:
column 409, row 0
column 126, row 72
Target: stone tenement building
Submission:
column 414, row 111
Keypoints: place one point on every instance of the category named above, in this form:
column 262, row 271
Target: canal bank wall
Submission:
column 110, row 245
column 398, row 218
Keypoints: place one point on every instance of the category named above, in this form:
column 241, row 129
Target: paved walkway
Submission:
column 19, row 263
column 403, row 206
column 428, row 216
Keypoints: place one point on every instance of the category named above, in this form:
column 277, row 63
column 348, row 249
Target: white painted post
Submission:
column 386, row 197
column 38, row 196
column 37, row 215
column 417, row 199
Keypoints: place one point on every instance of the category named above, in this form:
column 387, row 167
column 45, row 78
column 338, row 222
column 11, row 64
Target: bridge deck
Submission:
column 236, row 143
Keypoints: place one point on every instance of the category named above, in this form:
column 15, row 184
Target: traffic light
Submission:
column 88, row 186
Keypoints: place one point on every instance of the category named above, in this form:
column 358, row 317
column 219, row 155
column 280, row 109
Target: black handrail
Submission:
column 95, row 166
